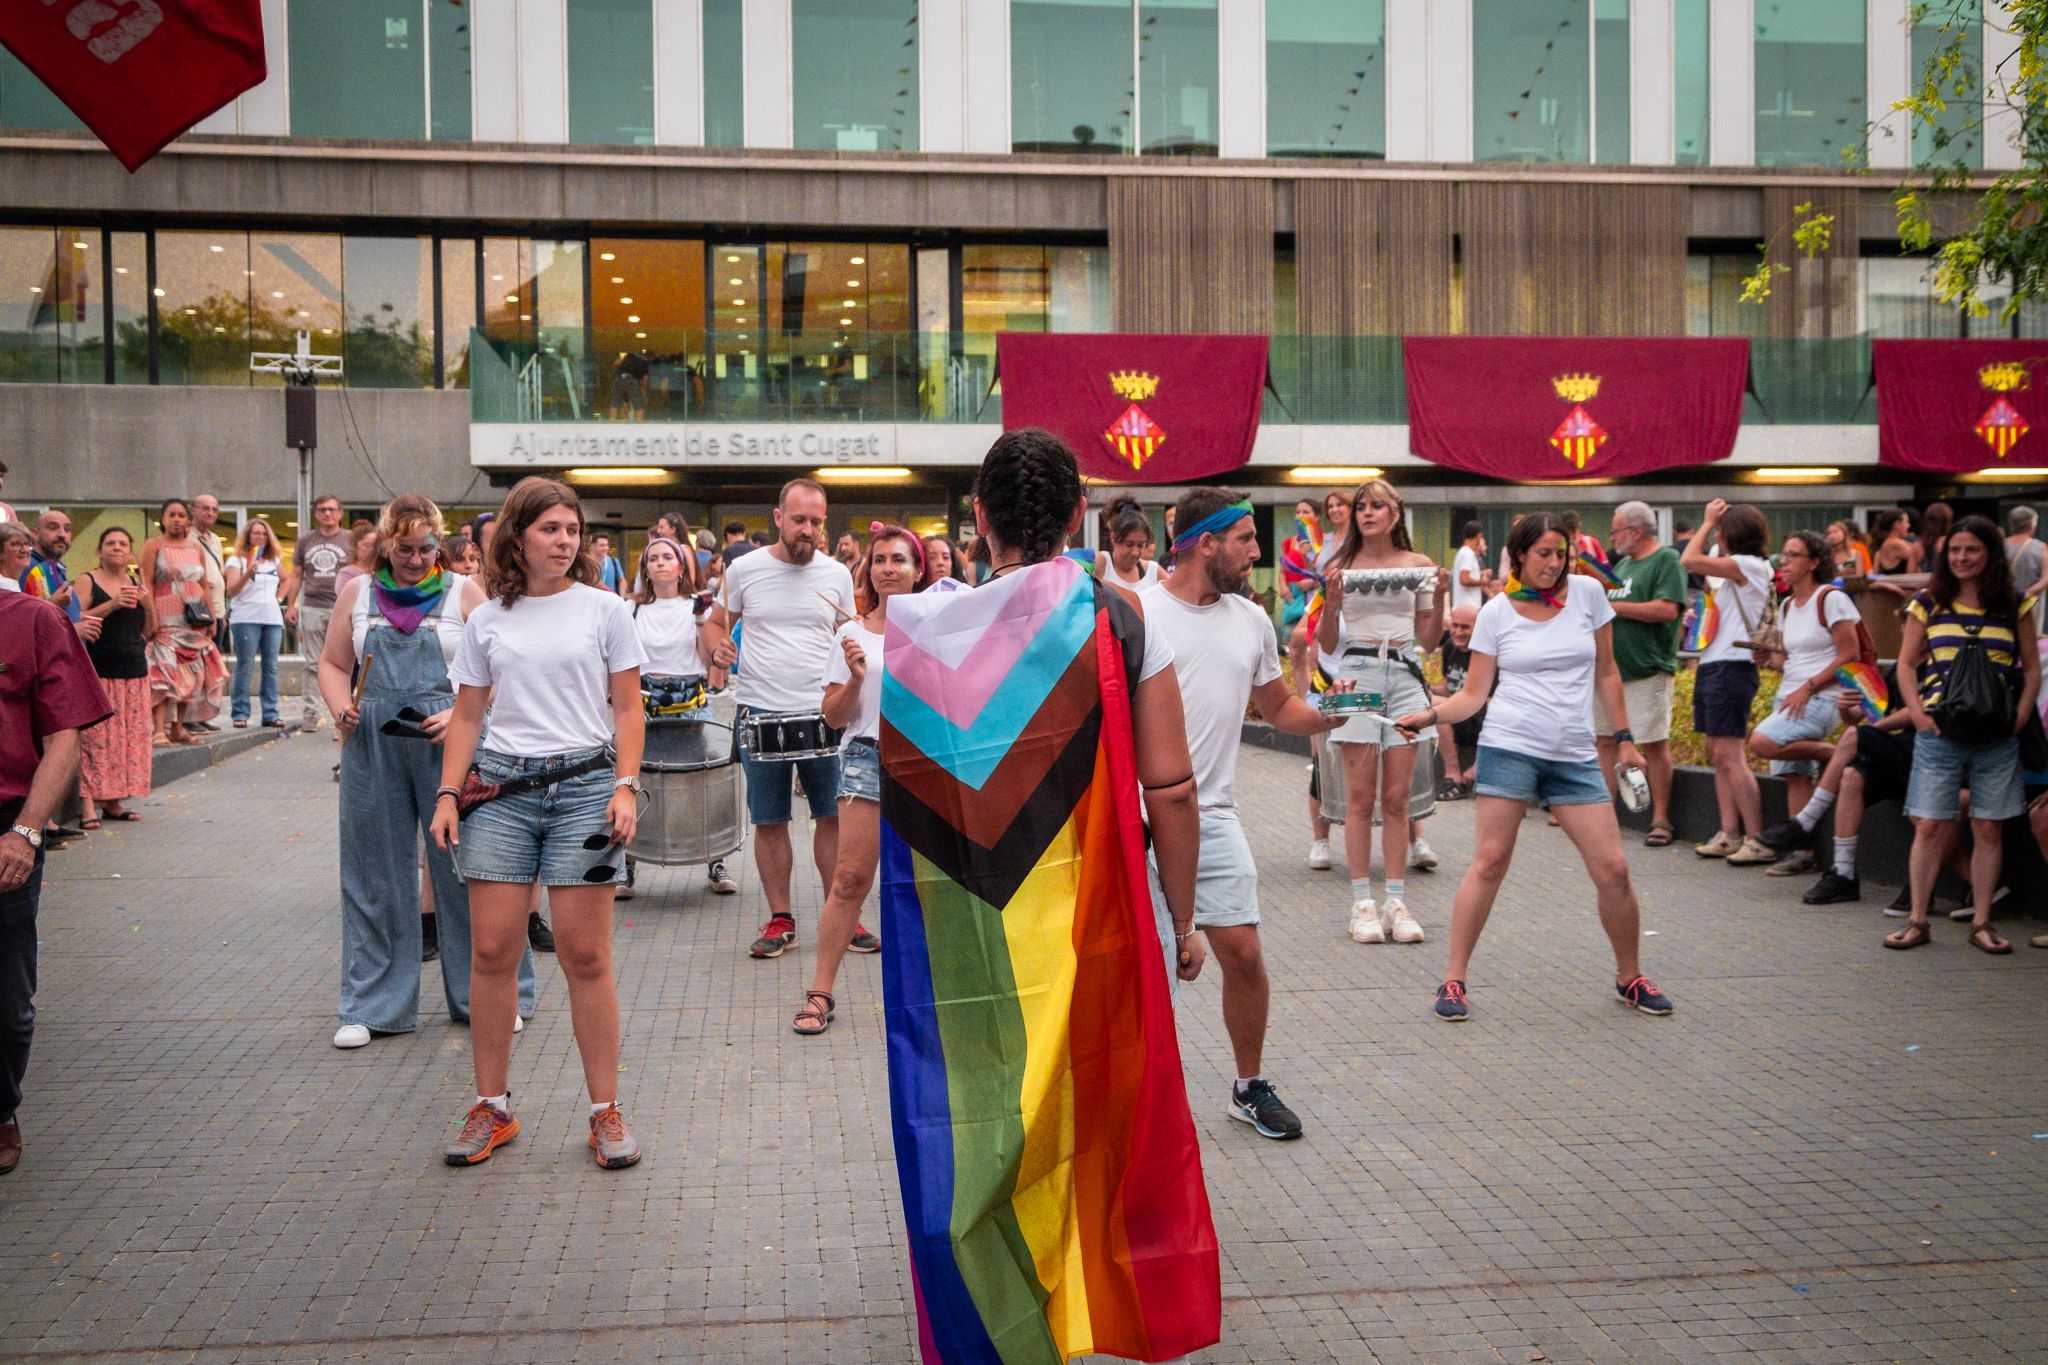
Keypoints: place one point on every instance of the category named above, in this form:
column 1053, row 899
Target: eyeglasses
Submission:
column 427, row 551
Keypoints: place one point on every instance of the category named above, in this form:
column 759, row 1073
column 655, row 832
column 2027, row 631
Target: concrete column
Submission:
column 2001, row 122
column 985, row 82
column 266, row 110
column 679, row 73
column 1241, row 78
column 1889, row 54
column 494, row 62
column 1450, row 80
column 1731, row 96
column 543, row 70
column 1652, row 83
column 765, row 38
column 941, row 75
column 1407, row 57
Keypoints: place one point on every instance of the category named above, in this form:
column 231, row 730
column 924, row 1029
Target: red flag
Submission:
column 138, row 72
column 1951, row 406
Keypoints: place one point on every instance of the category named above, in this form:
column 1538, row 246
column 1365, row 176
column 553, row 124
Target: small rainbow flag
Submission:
column 1867, row 683
column 1600, row 569
column 1706, row 623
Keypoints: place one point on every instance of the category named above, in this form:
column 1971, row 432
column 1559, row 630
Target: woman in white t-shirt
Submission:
column 1128, row 533
column 1547, row 641
column 255, row 616
column 555, row 659
column 1726, row 681
column 1819, row 625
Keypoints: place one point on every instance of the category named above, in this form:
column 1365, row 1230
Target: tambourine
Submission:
column 1352, row 703
column 1388, row 580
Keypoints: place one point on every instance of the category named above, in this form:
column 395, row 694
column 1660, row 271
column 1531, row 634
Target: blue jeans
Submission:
column 250, row 641
column 1942, row 768
column 17, row 975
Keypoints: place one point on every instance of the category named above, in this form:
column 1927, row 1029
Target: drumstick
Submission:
column 840, row 615
column 362, row 677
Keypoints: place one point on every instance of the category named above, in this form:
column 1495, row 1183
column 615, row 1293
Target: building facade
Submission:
column 684, row 249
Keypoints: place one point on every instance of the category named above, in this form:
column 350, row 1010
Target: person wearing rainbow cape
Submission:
column 1548, row 640
column 1051, row 1181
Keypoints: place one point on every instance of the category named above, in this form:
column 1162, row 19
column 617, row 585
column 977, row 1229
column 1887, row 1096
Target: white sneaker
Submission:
column 518, row 1024
column 1319, row 855
column 721, row 880
column 1365, row 923
column 1421, row 855
column 352, row 1035
column 1400, row 926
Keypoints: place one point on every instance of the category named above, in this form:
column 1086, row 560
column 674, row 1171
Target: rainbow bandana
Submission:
column 1868, row 684
column 1051, row 1180
column 406, row 607
column 1547, row 596
column 1216, row 523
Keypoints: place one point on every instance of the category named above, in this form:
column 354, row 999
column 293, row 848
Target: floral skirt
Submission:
column 113, row 760
column 185, row 669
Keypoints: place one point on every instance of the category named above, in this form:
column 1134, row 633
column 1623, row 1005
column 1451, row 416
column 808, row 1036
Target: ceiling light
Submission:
column 739, row 303
column 2019, row 472
column 641, row 335
column 1797, row 473
column 511, row 298
column 607, row 256
column 192, row 312
column 277, row 293
column 625, row 300
column 497, row 277
column 862, row 473
column 846, row 322
column 735, row 280
column 734, row 259
column 120, row 270
column 860, row 260
column 1334, row 473
column 618, row 279
column 526, row 317
column 632, row 317
column 743, row 336
column 213, row 247
column 35, row 289
column 622, row 474
column 849, row 303
column 79, row 245
column 158, row 292
column 853, row 284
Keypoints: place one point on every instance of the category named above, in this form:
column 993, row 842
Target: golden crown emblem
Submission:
column 1133, row 385
column 1576, row 388
column 2004, row 377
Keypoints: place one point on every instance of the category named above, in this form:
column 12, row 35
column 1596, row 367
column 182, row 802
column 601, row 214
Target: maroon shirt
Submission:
column 47, row 684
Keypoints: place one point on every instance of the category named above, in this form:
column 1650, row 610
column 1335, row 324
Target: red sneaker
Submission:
column 777, row 934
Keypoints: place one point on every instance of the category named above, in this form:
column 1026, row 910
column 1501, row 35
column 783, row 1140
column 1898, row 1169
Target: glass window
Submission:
column 295, row 286
column 1531, row 80
column 202, row 307
column 1326, row 78
column 853, row 73
column 1691, row 81
column 1610, row 82
column 1177, row 77
column 736, row 326
column 724, row 75
column 1026, row 289
column 611, row 71
column 1960, row 125
column 458, row 309
column 1810, row 105
column 1286, row 293
column 25, row 102
column 358, row 69
column 388, row 294
column 1713, row 297
column 561, row 314
column 131, row 306
column 448, row 54
column 647, row 326
column 838, row 322
column 1899, row 300
column 50, row 306
column 1072, row 75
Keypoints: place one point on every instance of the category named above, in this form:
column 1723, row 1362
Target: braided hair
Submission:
column 1028, row 488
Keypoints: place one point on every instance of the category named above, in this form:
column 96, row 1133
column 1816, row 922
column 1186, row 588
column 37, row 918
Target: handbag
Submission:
column 198, row 616
column 1977, row 704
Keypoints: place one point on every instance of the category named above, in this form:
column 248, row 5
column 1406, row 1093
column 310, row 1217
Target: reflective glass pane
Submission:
column 1899, row 300
column 854, row 74
column 1961, row 89
column 1810, row 103
column 737, row 319
column 611, row 71
column 1326, row 78
column 1713, row 297
column 1079, row 280
column 202, row 307
column 1072, row 86
column 77, row 306
column 508, row 289
column 1691, row 81
column 560, row 313
column 647, row 326
column 458, row 309
column 1610, row 82
column 25, row 102
column 131, row 307
column 448, row 56
column 295, row 286
column 1177, row 77
column 934, row 267
column 388, row 297
column 31, row 297
column 1531, row 80
column 1992, row 323
column 838, row 317
column 724, row 78
column 357, row 69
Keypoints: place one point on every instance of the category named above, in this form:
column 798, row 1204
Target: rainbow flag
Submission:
column 1706, row 622
column 1596, row 567
column 1868, row 684
column 1051, row 1180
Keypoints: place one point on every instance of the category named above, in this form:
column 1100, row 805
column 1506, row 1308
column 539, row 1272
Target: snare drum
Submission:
column 695, row 809
column 664, row 695
column 1352, row 703
column 1421, row 789
column 788, row 736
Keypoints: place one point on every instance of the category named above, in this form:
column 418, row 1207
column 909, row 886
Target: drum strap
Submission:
column 475, row 791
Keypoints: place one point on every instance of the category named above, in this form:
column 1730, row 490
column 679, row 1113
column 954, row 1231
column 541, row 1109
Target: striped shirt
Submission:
column 1948, row 627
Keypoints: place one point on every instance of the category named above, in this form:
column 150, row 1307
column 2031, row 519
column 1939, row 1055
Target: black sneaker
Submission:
column 430, row 939
column 1833, row 889
column 1642, row 994
column 1450, row 1002
column 1967, row 910
column 1785, row 836
column 538, row 934
column 1259, row 1105
column 1902, row 904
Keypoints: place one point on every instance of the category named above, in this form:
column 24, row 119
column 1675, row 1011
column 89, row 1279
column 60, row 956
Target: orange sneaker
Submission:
column 484, row 1130
column 614, row 1146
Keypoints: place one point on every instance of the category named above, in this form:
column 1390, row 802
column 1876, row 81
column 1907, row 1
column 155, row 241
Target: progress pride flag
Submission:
column 138, row 72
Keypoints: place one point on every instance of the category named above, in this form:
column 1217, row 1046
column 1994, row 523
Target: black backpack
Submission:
column 1977, row 704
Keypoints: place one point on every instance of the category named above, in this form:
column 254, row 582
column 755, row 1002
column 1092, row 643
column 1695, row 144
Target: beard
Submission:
column 799, row 551
column 1228, row 582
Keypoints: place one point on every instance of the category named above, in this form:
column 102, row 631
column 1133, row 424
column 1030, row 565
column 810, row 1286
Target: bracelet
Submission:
column 1624, row 736
column 1432, row 717
column 1179, row 937
column 440, row 792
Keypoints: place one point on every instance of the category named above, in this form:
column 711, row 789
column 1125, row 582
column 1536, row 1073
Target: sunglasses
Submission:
column 606, row 870
column 406, row 724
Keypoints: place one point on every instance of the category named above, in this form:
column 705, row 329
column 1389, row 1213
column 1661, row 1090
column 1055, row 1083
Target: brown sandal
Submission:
column 812, row 1010
column 1985, row 939
column 1660, row 835
column 1911, row 934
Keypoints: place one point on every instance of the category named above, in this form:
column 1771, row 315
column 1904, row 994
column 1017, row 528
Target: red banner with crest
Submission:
column 138, row 72
column 1544, row 408
column 1138, row 408
column 1956, row 406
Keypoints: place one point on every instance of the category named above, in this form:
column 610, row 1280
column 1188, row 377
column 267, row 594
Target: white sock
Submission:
column 600, row 1108
column 501, row 1103
column 1361, row 889
column 1397, row 887
column 1845, row 856
column 1244, row 1082
column 1815, row 808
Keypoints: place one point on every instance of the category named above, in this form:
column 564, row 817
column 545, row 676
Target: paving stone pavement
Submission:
column 1830, row 1152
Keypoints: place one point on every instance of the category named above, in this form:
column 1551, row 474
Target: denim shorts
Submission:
column 1817, row 721
column 1721, row 694
column 768, row 790
column 1525, row 778
column 860, row 770
column 538, row 835
column 1942, row 768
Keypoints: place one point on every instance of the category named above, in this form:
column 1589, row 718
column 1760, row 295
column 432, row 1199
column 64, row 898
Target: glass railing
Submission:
column 695, row 376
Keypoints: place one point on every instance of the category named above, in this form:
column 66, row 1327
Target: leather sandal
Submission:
column 1911, row 934
column 812, row 1010
column 1985, row 939
column 1660, row 835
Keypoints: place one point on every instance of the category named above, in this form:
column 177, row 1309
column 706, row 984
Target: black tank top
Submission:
column 118, row 651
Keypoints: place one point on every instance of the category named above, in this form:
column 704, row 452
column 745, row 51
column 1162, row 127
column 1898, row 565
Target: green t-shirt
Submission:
column 1643, row 648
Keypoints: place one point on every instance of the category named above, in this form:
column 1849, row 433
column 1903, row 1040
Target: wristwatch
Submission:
column 34, row 836
column 1624, row 736
column 631, row 784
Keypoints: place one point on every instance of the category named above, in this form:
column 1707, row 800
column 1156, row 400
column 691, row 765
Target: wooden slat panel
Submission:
column 1573, row 260
column 1373, row 257
column 1191, row 255
column 1818, row 297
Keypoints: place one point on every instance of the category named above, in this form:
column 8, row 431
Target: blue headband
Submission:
column 1216, row 523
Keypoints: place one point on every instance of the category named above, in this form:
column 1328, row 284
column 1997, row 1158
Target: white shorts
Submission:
column 1648, row 701
column 1226, row 879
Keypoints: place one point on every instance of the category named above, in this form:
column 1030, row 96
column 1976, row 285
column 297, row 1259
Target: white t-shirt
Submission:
column 1809, row 647
column 1220, row 653
column 255, row 603
column 551, row 660
column 446, row 625
column 1148, row 573
column 867, row 719
column 1755, row 599
column 1543, row 703
column 668, row 632
column 787, row 627
column 1467, row 561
